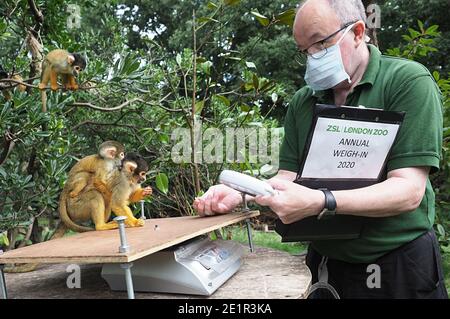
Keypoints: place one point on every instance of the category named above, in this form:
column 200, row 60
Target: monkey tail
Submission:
column 44, row 101
column 65, row 216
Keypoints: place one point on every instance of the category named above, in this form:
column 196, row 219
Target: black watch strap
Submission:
column 330, row 204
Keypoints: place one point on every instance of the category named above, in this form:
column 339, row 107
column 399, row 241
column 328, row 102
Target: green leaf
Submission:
column 206, row 67
column 414, row 34
column 2, row 172
column 200, row 60
column 441, row 230
column 162, row 183
column 231, row 2
column 432, row 30
column 199, row 107
column 420, row 23
column 206, row 20
column 245, row 108
column 255, row 82
column 164, row 138
column 233, row 58
column 286, row 17
column 178, row 59
column 4, row 239
column 223, row 99
column 212, row 5
column 263, row 20
column 250, row 65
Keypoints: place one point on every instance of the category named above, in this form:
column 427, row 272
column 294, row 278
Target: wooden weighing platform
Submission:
column 103, row 246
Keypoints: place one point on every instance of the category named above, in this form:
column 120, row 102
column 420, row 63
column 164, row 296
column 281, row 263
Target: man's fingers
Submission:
column 208, row 202
column 278, row 184
column 222, row 208
column 263, row 200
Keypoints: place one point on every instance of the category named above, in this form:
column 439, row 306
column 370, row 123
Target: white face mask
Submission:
column 328, row 71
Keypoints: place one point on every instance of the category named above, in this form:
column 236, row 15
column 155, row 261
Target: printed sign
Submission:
column 348, row 149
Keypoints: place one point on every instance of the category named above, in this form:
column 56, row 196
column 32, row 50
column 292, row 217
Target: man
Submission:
column 399, row 211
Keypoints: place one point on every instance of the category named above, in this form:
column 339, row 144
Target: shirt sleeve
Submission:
column 289, row 154
column 296, row 127
column 419, row 142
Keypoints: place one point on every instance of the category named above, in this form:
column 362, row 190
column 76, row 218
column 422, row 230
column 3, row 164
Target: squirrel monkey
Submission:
column 90, row 204
column 60, row 62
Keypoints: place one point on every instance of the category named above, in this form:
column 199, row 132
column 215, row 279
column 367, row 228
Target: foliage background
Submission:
column 153, row 67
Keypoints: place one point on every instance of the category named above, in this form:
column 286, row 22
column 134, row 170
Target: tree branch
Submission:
column 38, row 16
column 125, row 104
column 17, row 82
column 8, row 144
column 102, row 124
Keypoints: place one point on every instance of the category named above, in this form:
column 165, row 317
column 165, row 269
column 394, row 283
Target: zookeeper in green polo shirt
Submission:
column 399, row 212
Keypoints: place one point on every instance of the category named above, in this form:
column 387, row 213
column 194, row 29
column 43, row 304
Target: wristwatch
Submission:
column 330, row 205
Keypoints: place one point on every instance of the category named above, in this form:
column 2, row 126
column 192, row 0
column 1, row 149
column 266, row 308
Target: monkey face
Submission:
column 142, row 177
column 136, row 166
column 112, row 150
column 78, row 63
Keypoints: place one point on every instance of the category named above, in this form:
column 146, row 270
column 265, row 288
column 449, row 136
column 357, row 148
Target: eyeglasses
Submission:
column 318, row 48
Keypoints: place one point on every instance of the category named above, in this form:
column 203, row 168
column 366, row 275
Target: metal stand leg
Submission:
column 124, row 248
column 247, row 221
column 4, row 294
column 249, row 234
column 143, row 210
column 128, row 279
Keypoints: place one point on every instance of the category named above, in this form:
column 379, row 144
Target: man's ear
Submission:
column 70, row 59
column 130, row 166
column 359, row 30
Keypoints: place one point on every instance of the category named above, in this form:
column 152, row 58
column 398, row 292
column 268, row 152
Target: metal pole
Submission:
column 247, row 221
column 249, row 234
column 128, row 279
column 142, row 210
column 244, row 203
column 4, row 294
column 124, row 248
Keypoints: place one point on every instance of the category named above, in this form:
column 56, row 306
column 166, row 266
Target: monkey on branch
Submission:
column 63, row 64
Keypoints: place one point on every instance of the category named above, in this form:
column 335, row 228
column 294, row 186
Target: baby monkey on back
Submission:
column 96, row 167
column 91, row 196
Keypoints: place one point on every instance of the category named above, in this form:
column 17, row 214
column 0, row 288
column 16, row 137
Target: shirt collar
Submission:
column 369, row 76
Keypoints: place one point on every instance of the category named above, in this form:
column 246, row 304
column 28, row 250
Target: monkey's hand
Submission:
column 140, row 194
column 42, row 86
column 101, row 187
column 73, row 194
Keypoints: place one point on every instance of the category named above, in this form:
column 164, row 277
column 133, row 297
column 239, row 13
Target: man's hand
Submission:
column 293, row 202
column 219, row 199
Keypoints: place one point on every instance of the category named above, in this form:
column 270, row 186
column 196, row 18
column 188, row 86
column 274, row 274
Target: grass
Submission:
column 265, row 239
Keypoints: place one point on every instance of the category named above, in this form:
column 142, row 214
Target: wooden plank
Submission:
column 103, row 246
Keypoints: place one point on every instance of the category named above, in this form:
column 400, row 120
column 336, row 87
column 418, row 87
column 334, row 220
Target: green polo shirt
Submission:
column 392, row 84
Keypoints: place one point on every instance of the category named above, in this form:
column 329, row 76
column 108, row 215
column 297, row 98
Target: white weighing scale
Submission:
column 196, row 267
